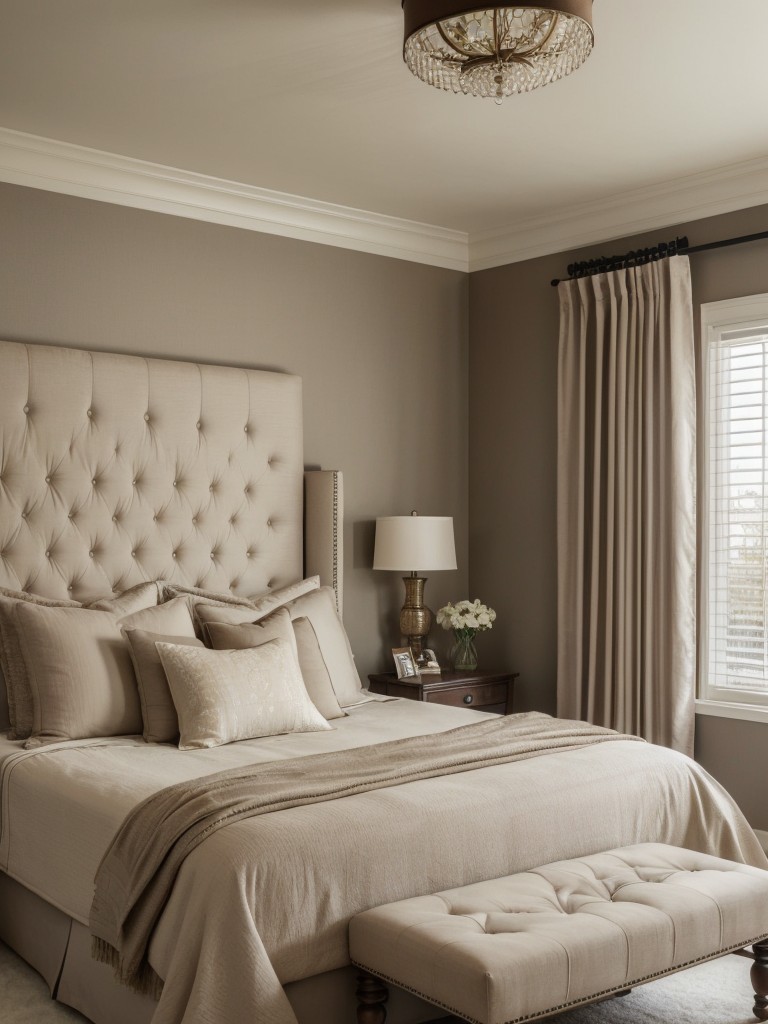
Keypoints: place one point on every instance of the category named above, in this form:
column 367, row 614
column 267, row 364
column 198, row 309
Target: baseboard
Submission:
column 763, row 838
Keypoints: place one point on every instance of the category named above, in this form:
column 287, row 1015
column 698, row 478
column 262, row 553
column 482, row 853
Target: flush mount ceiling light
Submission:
column 495, row 51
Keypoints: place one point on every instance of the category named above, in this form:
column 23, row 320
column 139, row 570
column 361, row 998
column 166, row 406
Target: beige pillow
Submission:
column 239, row 638
column 161, row 723
column 224, row 636
column 317, row 678
column 319, row 607
column 303, row 643
column 12, row 660
column 79, row 668
column 143, row 595
column 223, row 696
column 261, row 604
column 204, row 614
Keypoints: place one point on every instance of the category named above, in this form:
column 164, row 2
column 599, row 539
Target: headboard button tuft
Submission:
column 26, row 410
column 90, row 413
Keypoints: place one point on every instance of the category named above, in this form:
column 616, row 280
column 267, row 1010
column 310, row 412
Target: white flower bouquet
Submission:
column 466, row 618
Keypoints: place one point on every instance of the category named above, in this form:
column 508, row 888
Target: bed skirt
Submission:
column 59, row 948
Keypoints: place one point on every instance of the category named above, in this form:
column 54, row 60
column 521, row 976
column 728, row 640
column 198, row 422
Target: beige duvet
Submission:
column 267, row 900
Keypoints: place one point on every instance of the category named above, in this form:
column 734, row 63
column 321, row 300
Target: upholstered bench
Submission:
column 537, row 943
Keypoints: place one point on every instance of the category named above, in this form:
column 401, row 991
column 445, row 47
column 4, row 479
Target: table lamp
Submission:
column 403, row 542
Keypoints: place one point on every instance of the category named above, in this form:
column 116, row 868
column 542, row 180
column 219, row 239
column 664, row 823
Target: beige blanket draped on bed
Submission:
column 138, row 871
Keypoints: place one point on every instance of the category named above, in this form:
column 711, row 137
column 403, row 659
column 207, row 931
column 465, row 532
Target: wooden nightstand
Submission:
column 481, row 691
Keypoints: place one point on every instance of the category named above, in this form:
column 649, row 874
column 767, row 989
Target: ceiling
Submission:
column 311, row 98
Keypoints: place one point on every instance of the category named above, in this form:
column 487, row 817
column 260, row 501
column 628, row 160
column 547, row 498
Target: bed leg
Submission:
column 372, row 994
column 759, row 975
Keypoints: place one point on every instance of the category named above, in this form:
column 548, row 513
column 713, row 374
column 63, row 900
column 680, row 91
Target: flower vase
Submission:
column 464, row 653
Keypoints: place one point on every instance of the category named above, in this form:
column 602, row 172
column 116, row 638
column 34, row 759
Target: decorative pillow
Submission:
column 239, row 638
column 205, row 614
column 260, row 603
column 79, row 668
column 80, row 674
column 143, row 595
column 161, row 723
column 223, row 696
column 224, row 636
column 12, row 661
column 317, row 678
column 319, row 607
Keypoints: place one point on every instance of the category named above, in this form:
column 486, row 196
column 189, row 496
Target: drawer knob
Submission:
column 468, row 699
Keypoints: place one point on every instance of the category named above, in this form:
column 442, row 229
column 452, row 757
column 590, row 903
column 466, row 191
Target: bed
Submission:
column 116, row 472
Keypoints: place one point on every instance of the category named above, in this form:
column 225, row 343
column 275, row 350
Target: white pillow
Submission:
column 224, row 696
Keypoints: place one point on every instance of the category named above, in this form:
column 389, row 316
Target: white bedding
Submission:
column 82, row 790
column 267, row 901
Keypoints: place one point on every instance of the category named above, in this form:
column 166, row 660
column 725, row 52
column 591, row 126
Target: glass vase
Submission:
column 464, row 653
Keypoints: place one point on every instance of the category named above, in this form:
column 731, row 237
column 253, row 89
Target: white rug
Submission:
column 713, row 993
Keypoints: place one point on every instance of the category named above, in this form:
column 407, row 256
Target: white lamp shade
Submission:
column 412, row 543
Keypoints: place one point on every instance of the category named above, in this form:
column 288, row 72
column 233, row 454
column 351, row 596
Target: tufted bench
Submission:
column 537, row 943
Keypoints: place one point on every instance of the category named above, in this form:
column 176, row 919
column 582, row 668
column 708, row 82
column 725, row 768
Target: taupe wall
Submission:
column 514, row 318
column 381, row 345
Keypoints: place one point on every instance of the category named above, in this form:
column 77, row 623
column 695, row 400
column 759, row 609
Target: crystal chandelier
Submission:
column 495, row 51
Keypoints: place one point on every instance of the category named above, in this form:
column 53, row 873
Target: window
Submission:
column 734, row 660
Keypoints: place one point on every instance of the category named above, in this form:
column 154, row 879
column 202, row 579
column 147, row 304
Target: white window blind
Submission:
column 737, row 521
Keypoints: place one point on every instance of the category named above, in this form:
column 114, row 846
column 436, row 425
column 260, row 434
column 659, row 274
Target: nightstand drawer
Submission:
column 473, row 695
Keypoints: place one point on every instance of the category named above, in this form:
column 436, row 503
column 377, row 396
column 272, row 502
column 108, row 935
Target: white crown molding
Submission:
column 92, row 174
column 693, row 197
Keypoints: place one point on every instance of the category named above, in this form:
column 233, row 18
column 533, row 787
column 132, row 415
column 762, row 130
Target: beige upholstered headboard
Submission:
column 117, row 469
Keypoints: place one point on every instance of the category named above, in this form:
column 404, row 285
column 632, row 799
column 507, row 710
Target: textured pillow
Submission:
column 262, row 604
column 317, row 678
column 80, row 674
column 79, row 668
column 12, row 661
column 161, row 723
column 223, row 696
column 143, row 595
column 319, row 607
column 224, row 636
column 205, row 614
column 276, row 626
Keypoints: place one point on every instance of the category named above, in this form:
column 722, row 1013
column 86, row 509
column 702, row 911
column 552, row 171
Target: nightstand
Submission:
column 481, row 691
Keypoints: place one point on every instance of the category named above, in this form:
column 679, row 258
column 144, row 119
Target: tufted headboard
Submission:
column 117, row 469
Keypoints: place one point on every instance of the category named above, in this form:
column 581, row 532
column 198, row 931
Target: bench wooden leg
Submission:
column 372, row 994
column 759, row 975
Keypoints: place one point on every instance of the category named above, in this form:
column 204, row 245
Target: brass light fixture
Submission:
column 403, row 542
column 495, row 51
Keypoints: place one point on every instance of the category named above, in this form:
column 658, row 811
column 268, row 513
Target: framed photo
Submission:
column 404, row 663
column 431, row 666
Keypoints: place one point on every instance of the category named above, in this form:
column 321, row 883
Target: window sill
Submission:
column 724, row 709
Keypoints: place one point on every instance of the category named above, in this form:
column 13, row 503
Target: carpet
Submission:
column 715, row 993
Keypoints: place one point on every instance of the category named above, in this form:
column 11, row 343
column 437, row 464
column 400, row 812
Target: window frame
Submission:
column 718, row 318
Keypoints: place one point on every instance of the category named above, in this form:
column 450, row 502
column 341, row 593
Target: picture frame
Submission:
column 430, row 666
column 405, row 663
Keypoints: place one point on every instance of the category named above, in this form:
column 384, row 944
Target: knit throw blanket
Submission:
column 135, row 877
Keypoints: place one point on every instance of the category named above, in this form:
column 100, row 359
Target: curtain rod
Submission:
column 638, row 257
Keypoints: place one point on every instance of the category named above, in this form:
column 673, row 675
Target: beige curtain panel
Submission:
column 626, row 516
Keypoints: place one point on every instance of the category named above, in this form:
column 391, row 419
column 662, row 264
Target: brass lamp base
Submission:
column 415, row 617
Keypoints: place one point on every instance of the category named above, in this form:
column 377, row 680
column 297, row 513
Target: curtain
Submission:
column 626, row 516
